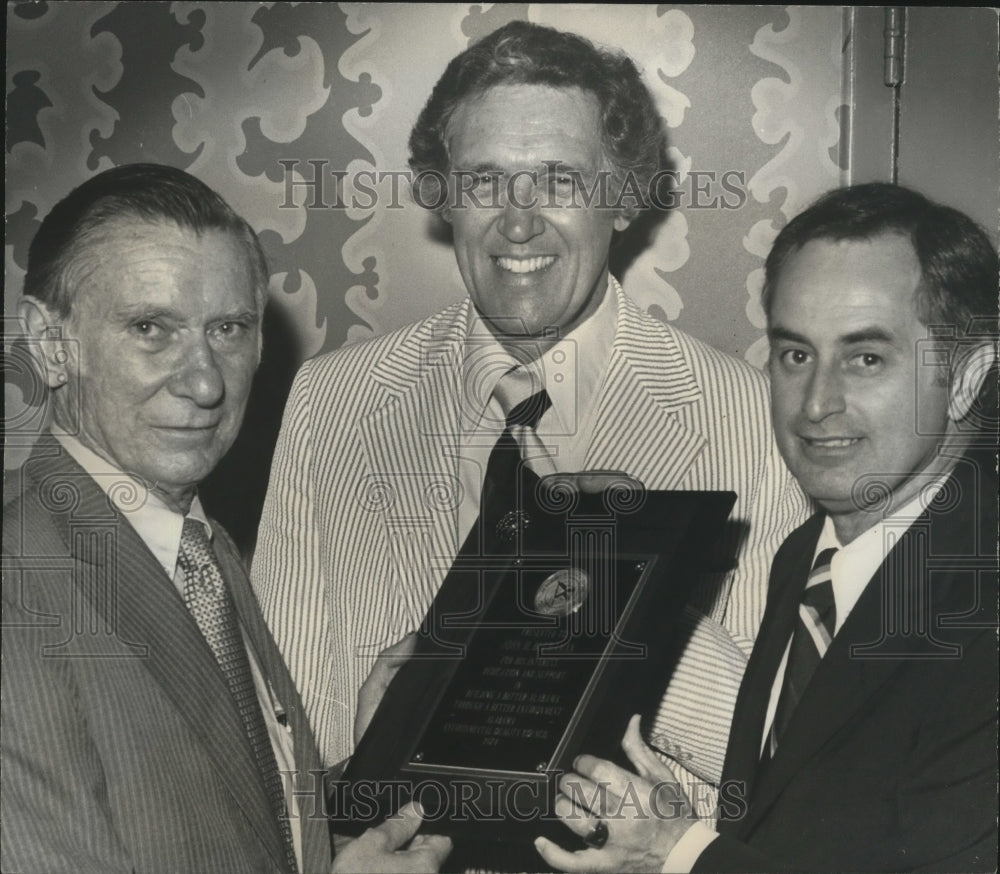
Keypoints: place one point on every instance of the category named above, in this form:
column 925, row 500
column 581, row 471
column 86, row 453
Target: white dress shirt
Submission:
column 571, row 371
column 160, row 529
column 851, row 569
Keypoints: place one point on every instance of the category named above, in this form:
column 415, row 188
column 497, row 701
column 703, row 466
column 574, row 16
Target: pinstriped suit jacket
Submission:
column 122, row 749
column 359, row 524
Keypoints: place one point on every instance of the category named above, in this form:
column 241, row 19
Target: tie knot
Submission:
column 196, row 548
column 530, row 410
column 818, row 593
column 820, row 572
column 521, row 397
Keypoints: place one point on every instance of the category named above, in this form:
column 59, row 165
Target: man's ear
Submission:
column 968, row 379
column 46, row 339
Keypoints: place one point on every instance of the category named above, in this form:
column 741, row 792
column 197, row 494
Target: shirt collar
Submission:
column 157, row 525
column 571, row 370
column 855, row 564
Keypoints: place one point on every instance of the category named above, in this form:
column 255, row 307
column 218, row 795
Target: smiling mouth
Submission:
column 524, row 265
column 830, row 442
column 188, row 429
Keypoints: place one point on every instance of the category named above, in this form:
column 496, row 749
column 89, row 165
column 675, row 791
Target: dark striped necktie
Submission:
column 814, row 629
column 507, row 476
column 208, row 599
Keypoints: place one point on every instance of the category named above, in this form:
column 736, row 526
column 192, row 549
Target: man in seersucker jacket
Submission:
column 379, row 467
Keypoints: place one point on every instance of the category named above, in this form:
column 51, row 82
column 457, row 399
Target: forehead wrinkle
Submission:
column 474, row 102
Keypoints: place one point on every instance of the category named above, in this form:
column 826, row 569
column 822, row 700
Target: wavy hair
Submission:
column 520, row 53
column 958, row 263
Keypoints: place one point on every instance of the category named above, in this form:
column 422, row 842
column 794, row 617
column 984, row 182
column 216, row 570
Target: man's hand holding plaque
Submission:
column 394, row 846
column 630, row 821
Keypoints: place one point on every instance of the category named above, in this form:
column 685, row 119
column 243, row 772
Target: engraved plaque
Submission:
column 537, row 648
column 541, row 643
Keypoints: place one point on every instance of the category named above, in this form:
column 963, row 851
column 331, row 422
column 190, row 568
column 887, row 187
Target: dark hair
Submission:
column 957, row 260
column 144, row 192
column 520, row 53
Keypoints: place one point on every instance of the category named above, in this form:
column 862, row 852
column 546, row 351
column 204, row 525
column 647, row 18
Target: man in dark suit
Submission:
column 149, row 723
column 864, row 735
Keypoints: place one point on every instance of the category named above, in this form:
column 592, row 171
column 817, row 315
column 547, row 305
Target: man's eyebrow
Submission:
column 245, row 315
column 867, row 335
column 546, row 167
column 481, row 168
column 144, row 311
column 864, row 335
column 779, row 333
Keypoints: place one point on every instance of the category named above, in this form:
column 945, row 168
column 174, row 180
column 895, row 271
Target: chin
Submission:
column 835, row 496
column 185, row 474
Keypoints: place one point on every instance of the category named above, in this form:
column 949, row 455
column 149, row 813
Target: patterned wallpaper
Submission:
column 244, row 95
column 259, row 100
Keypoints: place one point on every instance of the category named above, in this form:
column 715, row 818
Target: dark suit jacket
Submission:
column 890, row 760
column 122, row 749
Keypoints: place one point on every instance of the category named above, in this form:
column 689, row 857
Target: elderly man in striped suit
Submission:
column 528, row 147
column 149, row 723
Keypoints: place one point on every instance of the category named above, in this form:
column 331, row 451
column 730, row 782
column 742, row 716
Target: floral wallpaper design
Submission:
column 279, row 106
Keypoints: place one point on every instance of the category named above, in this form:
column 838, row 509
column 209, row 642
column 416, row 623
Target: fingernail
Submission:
column 418, row 808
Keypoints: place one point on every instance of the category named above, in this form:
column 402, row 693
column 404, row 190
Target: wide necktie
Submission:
column 507, row 474
column 810, row 641
column 208, row 599
column 524, row 401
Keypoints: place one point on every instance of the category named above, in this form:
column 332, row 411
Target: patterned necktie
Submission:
column 812, row 636
column 523, row 408
column 506, row 475
column 208, row 599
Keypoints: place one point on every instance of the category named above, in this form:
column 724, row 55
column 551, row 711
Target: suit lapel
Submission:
column 316, row 852
column 647, row 383
column 859, row 662
column 841, row 685
column 412, row 444
column 127, row 586
column 788, row 576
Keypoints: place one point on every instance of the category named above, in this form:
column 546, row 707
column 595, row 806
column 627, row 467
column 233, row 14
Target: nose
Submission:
column 824, row 394
column 520, row 223
column 198, row 376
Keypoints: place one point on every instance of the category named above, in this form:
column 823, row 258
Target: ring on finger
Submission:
column 597, row 837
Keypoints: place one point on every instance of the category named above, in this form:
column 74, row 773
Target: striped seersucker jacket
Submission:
column 359, row 523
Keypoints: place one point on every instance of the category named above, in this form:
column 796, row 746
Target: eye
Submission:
column 147, row 329
column 488, row 186
column 794, row 357
column 231, row 330
column 867, row 361
column 561, row 183
column 489, row 179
